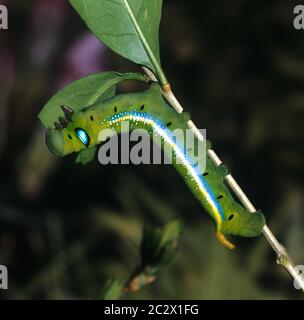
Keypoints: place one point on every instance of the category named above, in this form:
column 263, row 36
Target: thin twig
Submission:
column 139, row 279
column 282, row 256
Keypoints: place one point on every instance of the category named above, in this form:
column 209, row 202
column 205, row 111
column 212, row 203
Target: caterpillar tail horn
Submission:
column 224, row 241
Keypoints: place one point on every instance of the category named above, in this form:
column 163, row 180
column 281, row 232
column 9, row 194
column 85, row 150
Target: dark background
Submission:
column 237, row 67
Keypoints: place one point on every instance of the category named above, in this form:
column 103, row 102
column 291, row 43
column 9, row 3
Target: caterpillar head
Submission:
column 68, row 135
column 54, row 141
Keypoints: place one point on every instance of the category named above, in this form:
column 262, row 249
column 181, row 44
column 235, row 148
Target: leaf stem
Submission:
column 282, row 255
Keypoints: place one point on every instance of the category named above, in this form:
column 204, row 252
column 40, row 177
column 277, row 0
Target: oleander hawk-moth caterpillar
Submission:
column 79, row 132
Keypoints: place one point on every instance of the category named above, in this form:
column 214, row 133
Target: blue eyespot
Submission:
column 83, row 136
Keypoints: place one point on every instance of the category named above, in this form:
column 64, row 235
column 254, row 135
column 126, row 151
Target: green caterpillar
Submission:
column 79, row 132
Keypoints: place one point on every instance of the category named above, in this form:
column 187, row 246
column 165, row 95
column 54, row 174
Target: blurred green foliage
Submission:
column 157, row 249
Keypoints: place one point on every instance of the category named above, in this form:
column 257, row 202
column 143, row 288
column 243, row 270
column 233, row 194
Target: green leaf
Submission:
column 128, row 27
column 83, row 93
column 159, row 245
column 85, row 156
column 171, row 232
column 113, row 289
